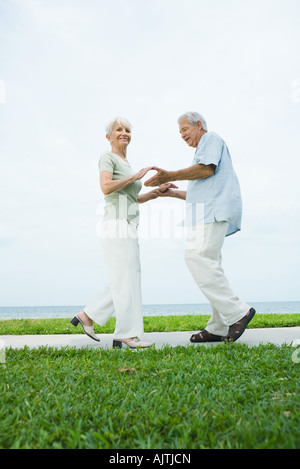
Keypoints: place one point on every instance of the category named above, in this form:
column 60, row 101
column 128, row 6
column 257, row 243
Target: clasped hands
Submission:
column 161, row 179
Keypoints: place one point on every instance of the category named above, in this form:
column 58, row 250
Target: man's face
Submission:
column 190, row 133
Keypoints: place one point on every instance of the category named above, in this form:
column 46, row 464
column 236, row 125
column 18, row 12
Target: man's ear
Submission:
column 199, row 124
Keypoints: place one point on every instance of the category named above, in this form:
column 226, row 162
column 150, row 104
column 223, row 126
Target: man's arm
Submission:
column 171, row 193
column 198, row 171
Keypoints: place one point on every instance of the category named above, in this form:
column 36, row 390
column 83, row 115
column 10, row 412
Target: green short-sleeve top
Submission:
column 121, row 204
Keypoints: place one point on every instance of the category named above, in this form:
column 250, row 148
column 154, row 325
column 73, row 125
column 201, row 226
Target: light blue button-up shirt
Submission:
column 218, row 197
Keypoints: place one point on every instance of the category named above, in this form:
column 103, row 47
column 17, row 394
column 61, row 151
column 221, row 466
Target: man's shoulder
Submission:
column 213, row 135
column 210, row 140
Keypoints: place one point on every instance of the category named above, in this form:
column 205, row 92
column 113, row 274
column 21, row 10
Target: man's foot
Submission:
column 205, row 336
column 238, row 328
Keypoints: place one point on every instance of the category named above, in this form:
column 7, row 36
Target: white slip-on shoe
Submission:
column 88, row 330
column 133, row 343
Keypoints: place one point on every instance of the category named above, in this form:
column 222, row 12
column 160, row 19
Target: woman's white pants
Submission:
column 123, row 295
column 203, row 257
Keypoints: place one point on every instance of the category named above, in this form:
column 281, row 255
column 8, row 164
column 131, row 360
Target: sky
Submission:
column 67, row 67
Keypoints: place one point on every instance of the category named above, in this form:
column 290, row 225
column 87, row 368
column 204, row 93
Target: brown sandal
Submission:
column 238, row 328
column 205, row 336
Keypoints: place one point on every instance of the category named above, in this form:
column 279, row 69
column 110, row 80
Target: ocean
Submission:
column 39, row 312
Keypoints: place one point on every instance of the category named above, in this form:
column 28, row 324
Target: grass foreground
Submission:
column 227, row 396
column 221, row 397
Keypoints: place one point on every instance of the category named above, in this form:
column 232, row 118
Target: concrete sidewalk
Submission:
column 251, row 337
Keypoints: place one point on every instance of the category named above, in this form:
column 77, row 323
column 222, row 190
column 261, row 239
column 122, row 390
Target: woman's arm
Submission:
column 109, row 185
column 147, row 196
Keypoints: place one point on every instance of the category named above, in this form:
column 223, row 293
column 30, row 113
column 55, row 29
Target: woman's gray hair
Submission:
column 118, row 120
column 193, row 118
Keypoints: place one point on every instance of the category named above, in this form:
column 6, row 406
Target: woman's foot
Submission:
column 84, row 319
column 86, row 323
column 133, row 342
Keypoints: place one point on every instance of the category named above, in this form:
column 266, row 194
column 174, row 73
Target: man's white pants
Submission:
column 123, row 294
column 203, row 257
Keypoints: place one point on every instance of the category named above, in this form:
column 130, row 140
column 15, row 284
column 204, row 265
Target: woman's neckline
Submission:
column 120, row 158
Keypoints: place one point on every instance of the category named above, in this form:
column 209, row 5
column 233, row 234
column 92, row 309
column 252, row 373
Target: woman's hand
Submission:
column 141, row 173
column 148, row 196
column 166, row 190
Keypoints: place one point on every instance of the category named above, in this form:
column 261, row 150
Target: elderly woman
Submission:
column 121, row 186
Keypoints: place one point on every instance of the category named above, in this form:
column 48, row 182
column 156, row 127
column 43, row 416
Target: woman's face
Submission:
column 120, row 136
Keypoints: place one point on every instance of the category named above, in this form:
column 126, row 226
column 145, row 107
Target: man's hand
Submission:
column 197, row 171
column 160, row 177
column 166, row 190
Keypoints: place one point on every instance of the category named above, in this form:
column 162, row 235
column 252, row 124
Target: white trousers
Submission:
column 204, row 260
column 123, row 295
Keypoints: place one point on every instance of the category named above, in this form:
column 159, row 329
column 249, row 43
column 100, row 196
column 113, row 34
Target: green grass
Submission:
column 227, row 396
column 151, row 324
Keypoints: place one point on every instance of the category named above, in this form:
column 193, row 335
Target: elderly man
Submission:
column 214, row 210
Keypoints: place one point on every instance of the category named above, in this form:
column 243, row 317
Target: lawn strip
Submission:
column 151, row 324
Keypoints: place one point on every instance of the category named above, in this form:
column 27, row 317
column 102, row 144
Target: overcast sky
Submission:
column 67, row 67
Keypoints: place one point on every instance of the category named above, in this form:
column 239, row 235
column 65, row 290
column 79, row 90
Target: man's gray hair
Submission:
column 118, row 120
column 193, row 118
